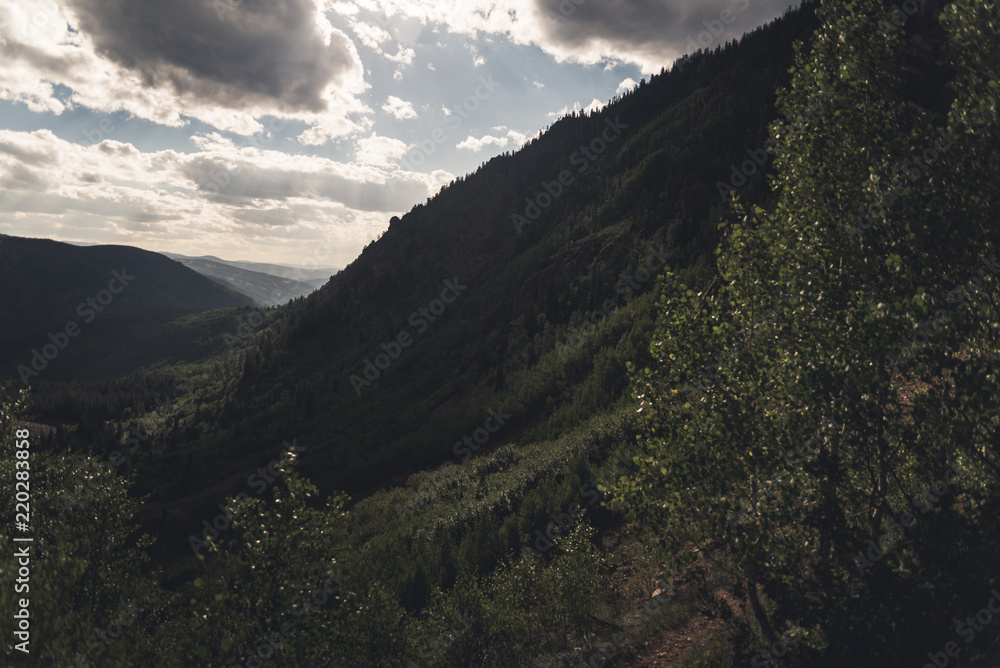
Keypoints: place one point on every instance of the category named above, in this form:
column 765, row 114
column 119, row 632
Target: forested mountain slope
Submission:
column 640, row 187
column 556, row 444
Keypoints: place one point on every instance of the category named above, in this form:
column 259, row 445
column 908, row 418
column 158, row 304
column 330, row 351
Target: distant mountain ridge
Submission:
column 68, row 311
column 266, row 284
column 316, row 276
column 48, row 283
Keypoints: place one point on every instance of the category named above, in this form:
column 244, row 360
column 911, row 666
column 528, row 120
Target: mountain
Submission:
column 587, row 405
column 313, row 275
column 525, row 288
column 482, row 297
column 48, row 283
column 266, row 289
column 98, row 308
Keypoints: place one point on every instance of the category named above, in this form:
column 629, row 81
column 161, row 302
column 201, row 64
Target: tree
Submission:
column 840, row 365
column 87, row 592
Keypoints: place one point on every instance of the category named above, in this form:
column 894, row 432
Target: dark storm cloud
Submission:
column 230, row 52
column 653, row 26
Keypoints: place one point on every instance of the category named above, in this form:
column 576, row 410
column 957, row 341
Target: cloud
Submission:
column 594, row 105
column 512, row 137
column 218, row 195
column 398, row 108
column 517, row 138
column 404, row 56
column 223, row 51
column 565, row 110
column 375, row 150
column 224, row 62
column 371, row 36
column 401, row 20
column 626, row 85
column 649, row 33
column 477, row 58
column 476, row 145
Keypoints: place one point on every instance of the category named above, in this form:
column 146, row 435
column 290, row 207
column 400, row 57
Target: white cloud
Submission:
column 511, row 138
column 376, row 150
column 478, row 144
column 565, row 110
column 477, row 59
column 626, row 85
column 371, row 36
column 400, row 20
column 400, row 109
column 517, row 138
column 220, row 195
column 404, row 56
column 594, row 105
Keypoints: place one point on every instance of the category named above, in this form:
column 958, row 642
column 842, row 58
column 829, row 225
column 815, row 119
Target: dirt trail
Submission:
column 676, row 643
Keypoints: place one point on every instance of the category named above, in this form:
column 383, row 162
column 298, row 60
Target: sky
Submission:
column 291, row 131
